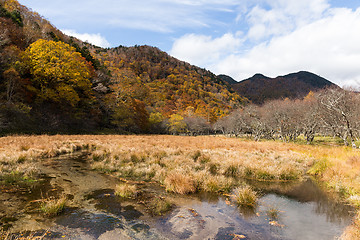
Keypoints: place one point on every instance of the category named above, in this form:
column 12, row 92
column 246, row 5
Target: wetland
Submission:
column 202, row 207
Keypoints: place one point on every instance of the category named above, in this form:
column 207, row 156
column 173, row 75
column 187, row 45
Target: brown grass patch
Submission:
column 125, row 190
column 179, row 183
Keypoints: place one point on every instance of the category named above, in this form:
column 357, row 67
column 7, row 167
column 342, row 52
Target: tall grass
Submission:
column 19, row 154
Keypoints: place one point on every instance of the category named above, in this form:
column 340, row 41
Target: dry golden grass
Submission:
column 353, row 231
column 246, row 197
column 18, row 154
column 187, row 164
column 179, row 183
column 125, row 190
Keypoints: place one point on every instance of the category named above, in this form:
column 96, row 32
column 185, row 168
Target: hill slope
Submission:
column 124, row 88
column 260, row 88
column 227, row 79
column 165, row 84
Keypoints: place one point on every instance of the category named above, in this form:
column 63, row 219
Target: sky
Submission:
column 238, row 38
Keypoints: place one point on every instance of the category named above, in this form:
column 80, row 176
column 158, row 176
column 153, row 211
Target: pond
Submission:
column 284, row 210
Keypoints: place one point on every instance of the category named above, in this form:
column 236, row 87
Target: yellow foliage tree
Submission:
column 59, row 73
column 177, row 124
column 11, row 5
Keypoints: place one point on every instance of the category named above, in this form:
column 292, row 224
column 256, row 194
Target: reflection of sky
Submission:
column 305, row 213
column 304, row 220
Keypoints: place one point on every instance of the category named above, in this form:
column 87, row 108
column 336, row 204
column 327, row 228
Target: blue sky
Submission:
column 234, row 37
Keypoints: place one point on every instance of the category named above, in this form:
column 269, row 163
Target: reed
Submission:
column 179, row 183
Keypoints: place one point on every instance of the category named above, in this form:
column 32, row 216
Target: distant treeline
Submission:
column 330, row 112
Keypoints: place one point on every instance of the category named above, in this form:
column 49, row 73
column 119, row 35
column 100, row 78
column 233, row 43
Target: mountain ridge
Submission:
column 260, row 88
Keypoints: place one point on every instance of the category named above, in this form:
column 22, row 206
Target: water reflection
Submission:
column 309, row 192
column 301, row 210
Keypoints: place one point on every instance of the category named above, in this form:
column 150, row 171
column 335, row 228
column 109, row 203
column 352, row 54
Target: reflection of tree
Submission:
column 247, row 212
column 309, row 191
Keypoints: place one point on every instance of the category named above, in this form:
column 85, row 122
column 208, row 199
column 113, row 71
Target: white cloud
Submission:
column 278, row 36
column 204, row 50
column 153, row 15
column 283, row 37
column 279, row 17
column 329, row 47
column 95, row 39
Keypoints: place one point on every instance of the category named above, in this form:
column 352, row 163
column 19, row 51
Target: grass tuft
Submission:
column 319, row 167
column 353, row 231
column 125, row 190
column 52, row 207
column 231, row 171
column 273, row 213
column 245, row 197
column 179, row 183
column 195, row 156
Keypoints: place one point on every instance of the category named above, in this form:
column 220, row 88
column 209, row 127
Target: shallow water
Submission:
column 315, row 218
column 303, row 210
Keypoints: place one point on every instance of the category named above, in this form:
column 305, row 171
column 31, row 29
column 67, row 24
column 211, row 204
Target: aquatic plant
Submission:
column 159, row 206
column 273, row 213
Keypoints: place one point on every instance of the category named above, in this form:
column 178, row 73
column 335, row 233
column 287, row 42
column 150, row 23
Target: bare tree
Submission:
column 339, row 113
column 255, row 119
column 223, row 125
column 4, row 37
column 197, row 125
column 282, row 117
column 309, row 117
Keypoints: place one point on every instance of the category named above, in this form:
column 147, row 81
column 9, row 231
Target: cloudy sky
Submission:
column 234, row 37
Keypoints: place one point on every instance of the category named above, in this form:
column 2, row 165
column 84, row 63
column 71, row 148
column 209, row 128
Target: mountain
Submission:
column 50, row 82
column 260, row 88
column 227, row 79
column 166, row 85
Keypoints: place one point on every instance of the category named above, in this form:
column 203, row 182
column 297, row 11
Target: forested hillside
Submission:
column 259, row 88
column 50, row 82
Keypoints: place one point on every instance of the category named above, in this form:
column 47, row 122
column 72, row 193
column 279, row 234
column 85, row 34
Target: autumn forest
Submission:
column 69, row 86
